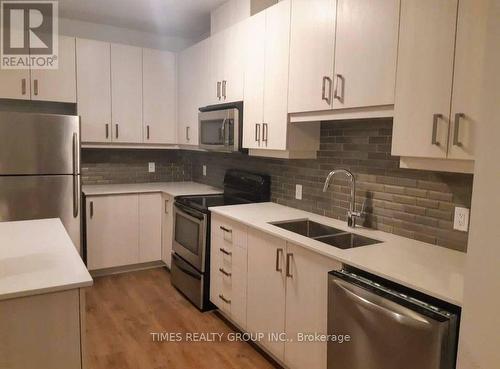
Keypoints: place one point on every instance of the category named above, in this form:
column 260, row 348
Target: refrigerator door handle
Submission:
column 76, row 184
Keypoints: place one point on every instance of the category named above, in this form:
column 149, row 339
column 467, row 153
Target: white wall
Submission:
column 479, row 346
column 101, row 32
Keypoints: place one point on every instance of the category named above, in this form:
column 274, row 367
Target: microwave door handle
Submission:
column 223, row 131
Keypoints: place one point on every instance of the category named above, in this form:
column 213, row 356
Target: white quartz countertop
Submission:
column 433, row 270
column 38, row 256
column 171, row 188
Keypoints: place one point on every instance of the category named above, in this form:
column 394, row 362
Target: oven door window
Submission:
column 217, row 132
column 187, row 233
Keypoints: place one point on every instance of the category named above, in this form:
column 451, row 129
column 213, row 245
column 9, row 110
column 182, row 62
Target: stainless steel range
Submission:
column 191, row 247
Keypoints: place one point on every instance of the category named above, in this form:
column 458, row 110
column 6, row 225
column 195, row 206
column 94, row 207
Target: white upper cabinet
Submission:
column 311, row 55
column 126, row 93
column 276, row 76
column 255, row 63
column 226, row 61
column 93, row 66
column 365, row 53
column 15, row 84
column 159, row 97
column 440, row 61
column 193, row 90
column 465, row 103
column 58, row 84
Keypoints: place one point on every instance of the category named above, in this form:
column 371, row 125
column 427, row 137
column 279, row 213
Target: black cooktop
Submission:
column 203, row 202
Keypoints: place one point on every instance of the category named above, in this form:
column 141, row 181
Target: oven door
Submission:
column 217, row 130
column 190, row 235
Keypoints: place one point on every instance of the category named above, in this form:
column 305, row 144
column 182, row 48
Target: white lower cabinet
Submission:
column 306, row 306
column 266, row 289
column 283, row 286
column 112, row 231
column 123, row 230
column 150, row 227
column 228, row 265
column 167, row 231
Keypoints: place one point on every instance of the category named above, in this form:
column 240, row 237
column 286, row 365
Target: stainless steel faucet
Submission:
column 352, row 214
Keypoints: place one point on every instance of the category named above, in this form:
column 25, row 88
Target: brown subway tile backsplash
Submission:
column 411, row 203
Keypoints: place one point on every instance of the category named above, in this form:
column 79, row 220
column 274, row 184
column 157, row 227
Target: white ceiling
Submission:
column 181, row 18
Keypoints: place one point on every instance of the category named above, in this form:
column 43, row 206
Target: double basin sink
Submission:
column 323, row 233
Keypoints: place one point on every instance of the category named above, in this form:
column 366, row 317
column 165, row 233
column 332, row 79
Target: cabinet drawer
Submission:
column 228, row 230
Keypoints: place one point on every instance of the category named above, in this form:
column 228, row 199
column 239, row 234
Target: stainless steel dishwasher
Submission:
column 388, row 329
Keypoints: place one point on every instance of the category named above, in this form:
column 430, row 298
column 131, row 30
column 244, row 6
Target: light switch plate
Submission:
column 298, row 192
column 204, row 170
column 461, row 222
column 152, row 167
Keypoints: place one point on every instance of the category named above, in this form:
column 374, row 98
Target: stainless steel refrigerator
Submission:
column 40, row 169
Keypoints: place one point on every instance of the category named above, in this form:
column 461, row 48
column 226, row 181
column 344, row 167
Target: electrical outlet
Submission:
column 152, row 168
column 204, row 170
column 461, row 222
column 298, row 192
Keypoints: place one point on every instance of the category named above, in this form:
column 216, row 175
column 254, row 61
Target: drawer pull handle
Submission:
column 225, row 252
column 226, row 230
column 227, row 274
column 227, row 301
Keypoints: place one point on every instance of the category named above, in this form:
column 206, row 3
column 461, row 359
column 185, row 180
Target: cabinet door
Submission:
column 218, row 44
column 465, row 107
column 93, row 70
column 266, row 288
column 306, row 306
column 159, row 97
column 15, row 84
column 150, row 224
column 234, row 70
column 112, row 231
column 126, row 93
column 312, row 42
column 366, row 52
column 193, row 87
column 253, row 115
column 167, row 230
column 424, row 78
column 276, row 76
column 57, row 84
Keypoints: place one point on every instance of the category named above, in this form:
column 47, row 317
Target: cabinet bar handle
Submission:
column 147, row 132
column 265, row 132
column 227, row 274
column 224, row 89
column 91, row 209
column 166, row 206
column 117, row 131
column 278, row 267
column 323, row 91
column 257, row 132
column 336, row 95
column 435, row 122
column 224, row 299
column 456, row 130
column 225, row 252
column 226, row 229
column 23, row 86
column 218, row 90
column 107, row 130
column 187, row 133
column 289, row 258
column 35, row 87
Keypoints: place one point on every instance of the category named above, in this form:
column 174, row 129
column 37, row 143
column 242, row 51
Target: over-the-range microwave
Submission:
column 221, row 127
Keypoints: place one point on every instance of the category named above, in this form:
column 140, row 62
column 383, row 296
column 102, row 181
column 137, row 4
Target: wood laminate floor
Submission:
column 122, row 311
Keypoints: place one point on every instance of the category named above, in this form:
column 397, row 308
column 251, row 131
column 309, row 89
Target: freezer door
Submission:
column 384, row 334
column 39, row 144
column 39, row 197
